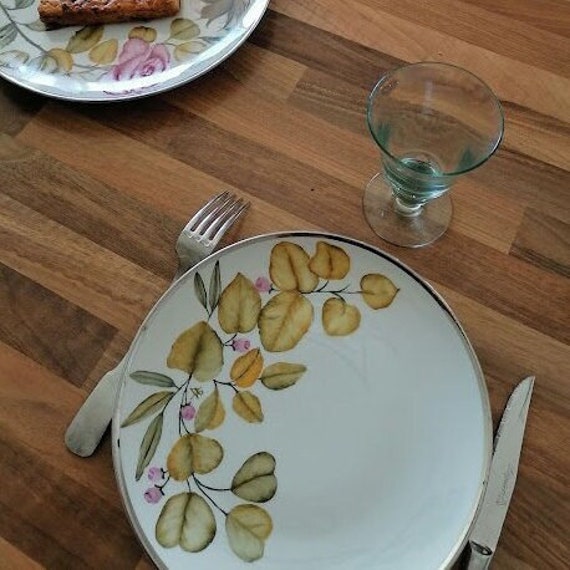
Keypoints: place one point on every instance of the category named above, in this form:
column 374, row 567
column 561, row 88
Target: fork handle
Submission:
column 89, row 424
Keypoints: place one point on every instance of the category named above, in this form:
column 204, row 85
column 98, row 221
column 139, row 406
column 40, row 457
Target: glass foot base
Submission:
column 412, row 230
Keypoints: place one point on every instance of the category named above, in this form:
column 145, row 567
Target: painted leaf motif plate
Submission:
column 302, row 401
column 121, row 61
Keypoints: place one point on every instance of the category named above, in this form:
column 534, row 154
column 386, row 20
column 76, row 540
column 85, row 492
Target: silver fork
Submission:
column 196, row 241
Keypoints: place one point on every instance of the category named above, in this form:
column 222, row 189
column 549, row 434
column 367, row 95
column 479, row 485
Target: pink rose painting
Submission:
column 139, row 59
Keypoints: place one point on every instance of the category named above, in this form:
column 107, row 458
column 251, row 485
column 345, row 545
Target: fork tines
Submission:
column 213, row 219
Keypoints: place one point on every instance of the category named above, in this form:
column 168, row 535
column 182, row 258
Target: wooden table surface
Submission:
column 92, row 198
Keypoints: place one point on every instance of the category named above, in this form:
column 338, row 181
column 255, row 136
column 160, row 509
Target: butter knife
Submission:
column 485, row 534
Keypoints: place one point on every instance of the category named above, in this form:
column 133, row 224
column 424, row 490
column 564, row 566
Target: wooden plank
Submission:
column 62, row 337
column 502, row 283
column 274, row 126
column 408, row 41
column 18, row 107
column 50, row 518
column 15, row 559
column 489, row 30
column 100, row 214
column 544, row 241
column 551, row 15
column 318, row 49
column 264, row 71
column 239, row 162
column 75, row 268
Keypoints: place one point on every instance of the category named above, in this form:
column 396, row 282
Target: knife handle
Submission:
column 91, row 421
column 479, row 557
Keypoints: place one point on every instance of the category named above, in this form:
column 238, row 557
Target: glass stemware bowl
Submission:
column 433, row 122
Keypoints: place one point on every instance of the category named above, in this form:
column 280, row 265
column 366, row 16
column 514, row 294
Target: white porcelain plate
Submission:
column 121, row 61
column 302, row 401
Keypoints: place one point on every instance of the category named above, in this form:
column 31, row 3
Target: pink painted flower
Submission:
column 153, row 495
column 263, row 285
column 139, row 59
column 241, row 344
column 155, row 474
column 188, row 412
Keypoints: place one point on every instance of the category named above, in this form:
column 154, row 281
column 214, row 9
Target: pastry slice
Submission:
column 89, row 12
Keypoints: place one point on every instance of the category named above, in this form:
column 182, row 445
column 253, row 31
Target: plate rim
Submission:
column 462, row 540
column 182, row 79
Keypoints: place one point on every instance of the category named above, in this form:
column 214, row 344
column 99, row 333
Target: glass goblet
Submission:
column 433, row 122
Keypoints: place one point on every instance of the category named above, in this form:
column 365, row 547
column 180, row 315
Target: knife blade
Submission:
column 507, row 446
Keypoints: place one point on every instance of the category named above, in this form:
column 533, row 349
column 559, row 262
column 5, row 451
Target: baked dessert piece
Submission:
column 88, row 12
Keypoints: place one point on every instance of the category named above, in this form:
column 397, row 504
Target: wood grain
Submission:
column 92, row 198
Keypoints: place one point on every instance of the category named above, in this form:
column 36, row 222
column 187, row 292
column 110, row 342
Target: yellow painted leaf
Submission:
column 104, row 53
column 211, row 413
column 239, row 306
column 183, row 29
column 378, row 291
column 154, row 403
column 186, row 520
column 330, row 261
column 282, row 375
column 247, row 406
column 198, row 351
column 289, row 268
column 255, row 480
column 247, row 527
column 247, row 368
column 207, row 454
column 85, row 38
column 340, row 318
column 179, row 461
column 62, row 57
column 143, row 33
column 193, row 453
column 284, row 321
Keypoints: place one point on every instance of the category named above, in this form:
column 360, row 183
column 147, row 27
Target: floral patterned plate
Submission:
column 121, row 61
column 302, row 401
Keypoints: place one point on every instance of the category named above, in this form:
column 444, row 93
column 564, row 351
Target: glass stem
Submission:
column 405, row 208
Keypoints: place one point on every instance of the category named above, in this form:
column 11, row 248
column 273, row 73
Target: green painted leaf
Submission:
column 85, row 38
column 255, row 480
column 282, row 375
column 186, row 520
column 284, row 320
column 187, row 50
column 37, row 26
column 153, row 379
column 198, row 351
column 43, row 63
column 247, row 406
column 216, row 8
column 154, row 403
column 149, row 444
column 193, row 453
column 200, row 290
column 8, row 34
column 13, row 58
column 247, row 527
column 215, row 287
column 183, row 29
column 211, row 413
column 20, row 4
